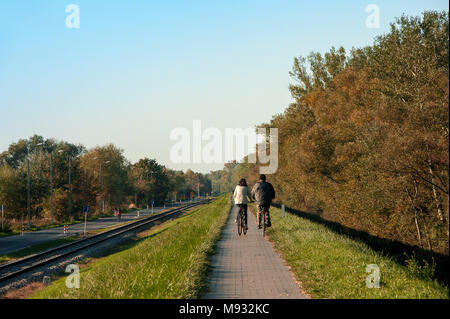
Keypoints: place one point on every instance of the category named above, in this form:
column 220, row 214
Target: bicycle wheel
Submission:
column 264, row 224
column 259, row 219
column 239, row 223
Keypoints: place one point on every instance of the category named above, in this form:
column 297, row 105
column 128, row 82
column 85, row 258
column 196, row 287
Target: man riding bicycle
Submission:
column 240, row 194
column 263, row 193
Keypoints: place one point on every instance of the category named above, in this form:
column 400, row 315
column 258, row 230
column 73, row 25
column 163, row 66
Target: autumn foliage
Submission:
column 365, row 143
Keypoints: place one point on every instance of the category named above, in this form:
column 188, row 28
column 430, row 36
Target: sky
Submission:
column 135, row 70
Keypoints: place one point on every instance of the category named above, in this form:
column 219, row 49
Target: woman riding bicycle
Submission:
column 240, row 195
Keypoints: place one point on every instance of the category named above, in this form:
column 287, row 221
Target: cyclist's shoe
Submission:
column 268, row 222
column 246, row 227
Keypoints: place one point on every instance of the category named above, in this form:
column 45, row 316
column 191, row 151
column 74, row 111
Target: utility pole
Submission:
column 51, row 188
column 70, row 187
column 86, row 199
column 3, row 217
column 101, row 185
column 29, row 184
column 28, row 187
column 70, row 183
column 135, row 192
column 100, row 177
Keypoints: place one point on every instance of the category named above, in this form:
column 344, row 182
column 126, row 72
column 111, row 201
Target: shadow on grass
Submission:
column 398, row 251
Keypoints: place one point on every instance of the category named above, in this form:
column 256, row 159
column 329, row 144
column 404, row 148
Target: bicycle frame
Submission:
column 240, row 221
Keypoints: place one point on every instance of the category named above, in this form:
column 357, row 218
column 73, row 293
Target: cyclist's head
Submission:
column 242, row 182
column 262, row 177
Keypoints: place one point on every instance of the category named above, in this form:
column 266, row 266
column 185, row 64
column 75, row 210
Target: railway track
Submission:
column 17, row 268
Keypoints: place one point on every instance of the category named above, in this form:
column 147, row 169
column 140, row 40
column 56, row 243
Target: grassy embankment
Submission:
column 171, row 262
column 331, row 265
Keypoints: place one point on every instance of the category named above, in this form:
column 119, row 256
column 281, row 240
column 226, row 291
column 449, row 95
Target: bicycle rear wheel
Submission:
column 244, row 225
column 239, row 223
column 264, row 224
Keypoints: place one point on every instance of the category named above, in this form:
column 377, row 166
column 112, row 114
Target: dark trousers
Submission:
column 263, row 208
column 244, row 208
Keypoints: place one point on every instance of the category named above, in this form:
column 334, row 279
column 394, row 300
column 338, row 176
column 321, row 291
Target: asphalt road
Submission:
column 10, row 244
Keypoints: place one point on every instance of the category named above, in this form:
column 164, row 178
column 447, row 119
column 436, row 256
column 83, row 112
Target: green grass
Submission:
column 172, row 262
column 54, row 225
column 53, row 243
column 35, row 249
column 49, row 226
column 10, row 233
column 331, row 265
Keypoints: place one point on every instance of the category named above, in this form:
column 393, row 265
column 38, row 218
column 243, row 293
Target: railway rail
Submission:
column 14, row 269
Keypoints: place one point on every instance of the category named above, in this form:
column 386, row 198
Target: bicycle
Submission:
column 241, row 222
column 263, row 214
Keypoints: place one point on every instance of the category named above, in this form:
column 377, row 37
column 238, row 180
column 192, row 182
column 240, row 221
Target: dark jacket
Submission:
column 263, row 193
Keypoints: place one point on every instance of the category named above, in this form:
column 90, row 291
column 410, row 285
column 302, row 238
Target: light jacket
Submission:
column 240, row 194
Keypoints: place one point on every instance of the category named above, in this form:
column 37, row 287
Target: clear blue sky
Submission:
column 137, row 69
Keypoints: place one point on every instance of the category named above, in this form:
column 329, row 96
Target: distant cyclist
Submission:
column 263, row 193
column 240, row 195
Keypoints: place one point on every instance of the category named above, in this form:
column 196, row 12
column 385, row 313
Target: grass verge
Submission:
column 331, row 265
column 78, row 220
column 10, row 233
column 51, row 244
column 35, row 249
column 54, row 243
column 171, row 262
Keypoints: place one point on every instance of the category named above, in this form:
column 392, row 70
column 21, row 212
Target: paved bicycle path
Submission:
column 247, row 267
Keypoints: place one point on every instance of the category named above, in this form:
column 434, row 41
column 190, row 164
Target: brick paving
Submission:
column 247, row 267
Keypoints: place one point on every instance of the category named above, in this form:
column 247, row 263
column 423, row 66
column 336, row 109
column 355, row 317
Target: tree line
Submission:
column 62, row 178
column 365, row 142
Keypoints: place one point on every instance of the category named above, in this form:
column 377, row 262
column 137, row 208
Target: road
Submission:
column 247, row 267
column 10, row 244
